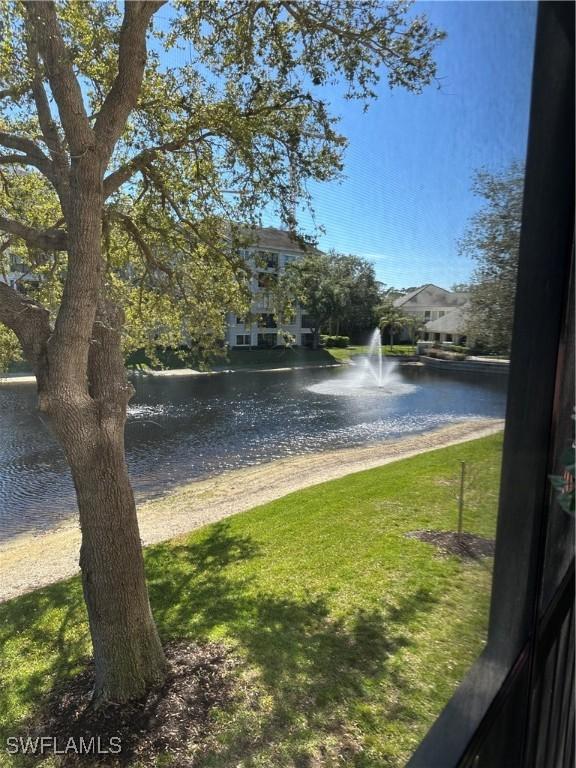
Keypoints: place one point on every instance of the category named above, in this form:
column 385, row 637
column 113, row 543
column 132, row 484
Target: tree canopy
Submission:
column 391, row 320
column 237, row 122
column 337, row 291
column 492, row 239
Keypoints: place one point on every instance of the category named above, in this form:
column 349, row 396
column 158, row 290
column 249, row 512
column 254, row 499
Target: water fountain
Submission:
column 370, row 374
column 375, row 353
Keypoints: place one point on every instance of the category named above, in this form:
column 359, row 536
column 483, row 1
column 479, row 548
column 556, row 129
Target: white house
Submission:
column 432, row 305
column 430, row 302
column 272, row 251
column 18, row 273
column 450, row 327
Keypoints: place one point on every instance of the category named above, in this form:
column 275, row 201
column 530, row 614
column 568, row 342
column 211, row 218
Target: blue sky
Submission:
column 406, row 197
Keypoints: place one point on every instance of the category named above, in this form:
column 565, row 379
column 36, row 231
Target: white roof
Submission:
column 408, row 296
column 278, row 239
column 452, row 322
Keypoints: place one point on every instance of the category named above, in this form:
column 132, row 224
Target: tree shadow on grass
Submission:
column 311, row 663
column 43, row 638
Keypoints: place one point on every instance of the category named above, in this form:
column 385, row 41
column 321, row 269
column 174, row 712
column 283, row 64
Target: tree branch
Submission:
column 47, row 239
column 22, row 144
column 15, row 159
column 15, row 92
column 48, row 127
column 33, row 155
column 30, row 321
column 124, row 173
column 63, row 82
column 132, row 231
column 307, row 20
column 123, row 96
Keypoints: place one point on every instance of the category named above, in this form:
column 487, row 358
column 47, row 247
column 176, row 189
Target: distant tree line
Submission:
column 339, row 294
column 492, row 239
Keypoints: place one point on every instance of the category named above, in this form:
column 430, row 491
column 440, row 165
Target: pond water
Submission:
column 182, row 429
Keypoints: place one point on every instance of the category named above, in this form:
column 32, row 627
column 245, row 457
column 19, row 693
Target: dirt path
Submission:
column 31, row 561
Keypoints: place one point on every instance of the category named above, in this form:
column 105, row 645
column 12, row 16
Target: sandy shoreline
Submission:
column 30, row 561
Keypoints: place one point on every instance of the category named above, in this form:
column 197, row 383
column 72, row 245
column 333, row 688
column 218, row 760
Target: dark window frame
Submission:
column 267, row 320
column 487, row 720
column 267, row 340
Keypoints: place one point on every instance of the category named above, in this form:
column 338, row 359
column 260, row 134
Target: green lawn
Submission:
column 236, row 359
column 398, row 350
column 352, row 636
column 247, row 359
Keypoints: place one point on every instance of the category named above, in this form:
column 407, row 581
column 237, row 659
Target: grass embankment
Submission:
column 352, row 636
column 237, row 359
column 247, row 359
column 398, row 350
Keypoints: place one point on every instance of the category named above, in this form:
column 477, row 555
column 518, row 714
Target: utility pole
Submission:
column 461, row 500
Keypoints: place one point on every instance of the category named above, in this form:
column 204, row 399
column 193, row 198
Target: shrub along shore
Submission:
column 244, row 360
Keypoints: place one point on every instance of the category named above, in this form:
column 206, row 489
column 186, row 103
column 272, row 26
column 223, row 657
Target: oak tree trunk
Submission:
column 127, row 651
column 128, row 655
column 79, row 367
column 85, row 394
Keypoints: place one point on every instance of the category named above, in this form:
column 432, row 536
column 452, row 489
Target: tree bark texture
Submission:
column 128, row 655
column 85, row 395
column 82, row 384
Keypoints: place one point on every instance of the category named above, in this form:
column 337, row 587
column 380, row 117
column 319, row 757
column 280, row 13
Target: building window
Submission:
column 267, row 260
column 240, row 320
column 308, row 321
column 243, row 340
column 16, row 265
column 524, row 715
column 267, row 339
column 266, row 281
column 427, row 315
column 267, row 320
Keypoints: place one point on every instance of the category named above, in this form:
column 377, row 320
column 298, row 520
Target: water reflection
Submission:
column 181, row 429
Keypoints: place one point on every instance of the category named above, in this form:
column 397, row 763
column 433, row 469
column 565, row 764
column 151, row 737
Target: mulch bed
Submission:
column 173, row 718
column 468, row 546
